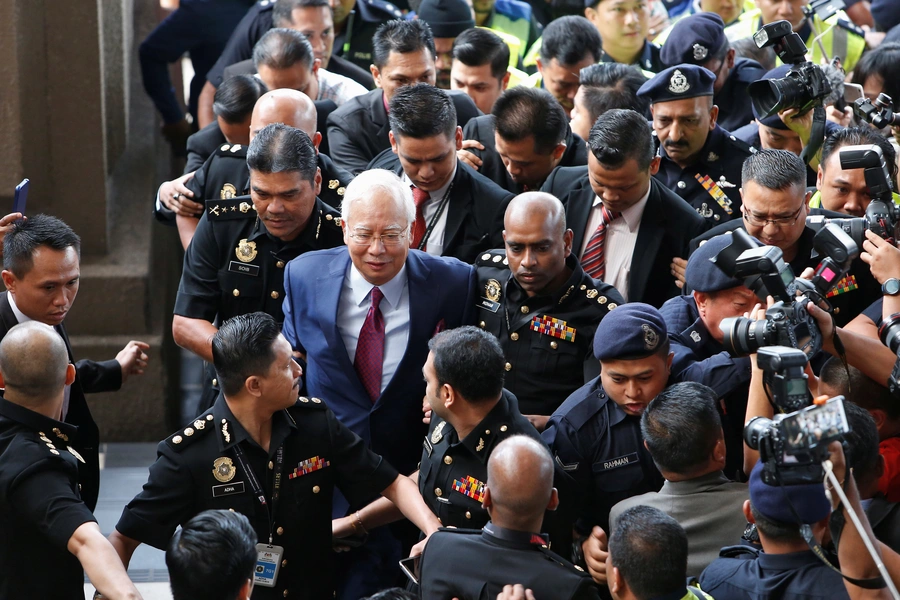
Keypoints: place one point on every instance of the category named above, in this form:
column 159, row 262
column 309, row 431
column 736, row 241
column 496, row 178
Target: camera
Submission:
column 804, row 86
column 764, row 271
column 889, row 332
column 792, row 446
column 880, row 113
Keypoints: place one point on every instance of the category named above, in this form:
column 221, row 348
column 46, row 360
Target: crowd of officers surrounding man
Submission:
column 451, row 268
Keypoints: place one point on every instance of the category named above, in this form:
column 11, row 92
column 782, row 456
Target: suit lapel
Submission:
column 457, row 206
column 7, row 316
column 647, row 244
column 578, row 212
column 380, row 117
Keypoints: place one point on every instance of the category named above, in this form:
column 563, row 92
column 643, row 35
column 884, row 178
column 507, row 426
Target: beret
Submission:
column 633, row 330
column 446, row 18
column 771, row 501
column 773, row 121
column 677, row 83
column 694, row 40
column 702, row 275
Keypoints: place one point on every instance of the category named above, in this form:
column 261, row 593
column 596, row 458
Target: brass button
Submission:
column 215, row 383
column 280, row 265
column 271, row 465
column 236, row 293
column 316, row 489
column 284, row 563
column 280, row 531
column 79, row 487
column 554, row 345
column 274, row 295
column 524, row 310
column 468, row 515
column 448, row 460
column 508, row 367
column 514, row 336
column 482, row 324
column 188, row 431
column 438, row 492
column 177, row 439
column 284, row 593
column 210, row 417
column 487, row 432
column 231, row 509
column 503, row 428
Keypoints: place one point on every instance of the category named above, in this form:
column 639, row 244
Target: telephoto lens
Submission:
column 743, row 336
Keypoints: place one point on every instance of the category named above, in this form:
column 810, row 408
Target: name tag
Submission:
column 243, row 268
column 228, row 489
column 489, row 305
column 622, row 461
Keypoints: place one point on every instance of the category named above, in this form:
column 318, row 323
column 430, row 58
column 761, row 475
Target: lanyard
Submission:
column 434, row 218
column 256, row 488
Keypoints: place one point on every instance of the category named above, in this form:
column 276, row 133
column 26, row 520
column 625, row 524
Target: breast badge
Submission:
column 492, row 290
column 228, row 192
column 223, row 469
column 245, row 251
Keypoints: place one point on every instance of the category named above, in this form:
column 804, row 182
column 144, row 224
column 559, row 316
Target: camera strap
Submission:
column 816, row 136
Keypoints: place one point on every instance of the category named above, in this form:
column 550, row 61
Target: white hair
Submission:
column 360, row 190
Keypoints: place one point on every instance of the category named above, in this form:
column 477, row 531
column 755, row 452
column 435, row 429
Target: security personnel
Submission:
column 269, row 456
column 538, row 301
column 693, row 324
column 595, row 436
column 700, row 40
column 235, row 263
column 701, row 162
column 470, row 564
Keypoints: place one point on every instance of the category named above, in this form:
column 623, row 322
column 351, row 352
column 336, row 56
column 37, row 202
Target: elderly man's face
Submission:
column 682, row 126
column 374, row 217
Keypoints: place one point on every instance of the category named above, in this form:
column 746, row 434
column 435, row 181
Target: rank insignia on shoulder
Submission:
column 492, row 290
column 304, row 467
column 591, row 294
column 492, row 258
column 229, row 207
column 245, row 251
column 341, row 190
column 695, row 336
column 333, row 184
column 223, row 469
column 75, row 454
column 437, row 434
column 547, row 325
column 228, row 192
column 60, row 434
column 470, row 487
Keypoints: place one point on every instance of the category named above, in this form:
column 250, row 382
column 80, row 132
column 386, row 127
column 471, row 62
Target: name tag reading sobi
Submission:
column 268, row 563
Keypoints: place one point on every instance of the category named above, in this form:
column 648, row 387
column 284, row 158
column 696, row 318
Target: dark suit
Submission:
column 358, row 130
column 202, row 144
column 90, row 377
column 475, row 209
column 667, row 227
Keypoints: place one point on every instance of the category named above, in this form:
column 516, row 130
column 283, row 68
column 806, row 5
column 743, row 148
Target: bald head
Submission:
column 536, row 207
column 33, row 363
column 290, row 107
column 520, row 478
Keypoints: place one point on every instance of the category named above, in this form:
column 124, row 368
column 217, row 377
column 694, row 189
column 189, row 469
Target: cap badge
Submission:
column 700, row 52
column 651, row 338
column 492, row 290
column 246, row 251
column 223, row 469
column 678, row 84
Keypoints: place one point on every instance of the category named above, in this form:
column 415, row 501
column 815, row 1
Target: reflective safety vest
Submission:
column 512, row 19
column 516, row 46
column 816, row 200
column 695, row 8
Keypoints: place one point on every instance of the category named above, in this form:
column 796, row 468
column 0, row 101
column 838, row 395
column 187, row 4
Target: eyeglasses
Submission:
column 388, row 239
column 779, row 222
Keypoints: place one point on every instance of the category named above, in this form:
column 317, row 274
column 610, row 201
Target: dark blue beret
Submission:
column 694, row 39
column 677, row 83
column 702, row 275
column 886, row 13
column 771, row 501
column 773, row 121
column 633, row 330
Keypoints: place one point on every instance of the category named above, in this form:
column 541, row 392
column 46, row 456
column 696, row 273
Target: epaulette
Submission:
column 239, row 207
column 335, row 184
column 551, row 555
column 594, row 295
column 493, row 258
column 851, row 27
column 385, row 7
column 181, row 439
column 461, row 530
column 333, row 218
column 739, row 551
column 235, row 150
column 736, row 141
column 304, row 402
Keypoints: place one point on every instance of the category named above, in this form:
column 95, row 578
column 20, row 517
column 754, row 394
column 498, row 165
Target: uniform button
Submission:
column 716, row 217
column 438, row 492
column 448, row 460
column 274, row 295
column 524, row 310
column 316, row 489
column 284, row 593
column 487, row 432
column 481, row 324
column 271, row 465
column 280, row 531
column 468, row 515
column 280, row 265
column 681, row 185
column 284, row 563
column 514, row 336
column 503, row 428
column 215, row 382
column 508, row 367
column 231, row 509
column 79, row 487
column 554, row 345
column 236, row 293
column 177, row 439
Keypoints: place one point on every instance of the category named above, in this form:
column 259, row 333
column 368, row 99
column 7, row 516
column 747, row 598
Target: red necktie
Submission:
column 370, row 349
column 420, row 197
column 593, row 261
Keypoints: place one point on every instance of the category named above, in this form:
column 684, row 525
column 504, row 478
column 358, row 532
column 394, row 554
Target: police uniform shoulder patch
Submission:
column 228, row 209
column 191, row 432
column 492, row 258
column 307, row 402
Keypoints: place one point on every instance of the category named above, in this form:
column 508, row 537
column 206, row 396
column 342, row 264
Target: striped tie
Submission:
column 593, row 261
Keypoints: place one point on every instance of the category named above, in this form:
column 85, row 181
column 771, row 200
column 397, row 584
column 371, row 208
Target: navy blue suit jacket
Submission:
column 441, row 294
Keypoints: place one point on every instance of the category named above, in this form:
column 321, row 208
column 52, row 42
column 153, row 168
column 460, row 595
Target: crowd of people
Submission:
column 464, row 278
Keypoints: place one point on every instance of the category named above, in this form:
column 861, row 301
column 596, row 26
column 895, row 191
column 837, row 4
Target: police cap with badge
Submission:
column 694, row 40
column 636, row 331
column 702, row 274
column 677, row 83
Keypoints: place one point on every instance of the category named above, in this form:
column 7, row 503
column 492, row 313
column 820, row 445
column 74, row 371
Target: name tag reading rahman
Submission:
column 245, row 269
column 622, row 461
column 228, row 489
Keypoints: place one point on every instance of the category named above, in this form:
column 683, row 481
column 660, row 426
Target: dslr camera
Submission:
column 792, row 446
column 764, row 271
column 805, row 84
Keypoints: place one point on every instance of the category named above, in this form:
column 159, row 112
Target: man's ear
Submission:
column 487, row 502
column 559, row 151
column 554, row 500
column 9, row 280
column 317, row 139
column 748, row 514
column 505, row 82
column 616, row 583
column 376, row 75
column 393, row 142
column 253, row 386
column 244, row 592
column 70, row 374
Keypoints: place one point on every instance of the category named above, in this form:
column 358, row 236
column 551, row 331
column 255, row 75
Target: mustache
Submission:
column 674, row 144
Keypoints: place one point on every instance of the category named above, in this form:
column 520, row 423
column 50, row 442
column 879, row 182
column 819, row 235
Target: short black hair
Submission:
column 882, row 62
column 422, row 111
column 774, row 170
column 476, row 47
column 775, row 530
column 211, row 556
column 862, row 443
column 242, row 347
column 855, row 136
column 570, row 40
column 282, row 48
column 283, row 11
column 520, row 112
column 650, row 549
column 859, row 388
column 402, row 37
column 26, row 236
column 278, row 148
column 394, row 593
column 681, row 427
column 620, row 135
column 612, row 85
column 236, row 97
column 471, row 361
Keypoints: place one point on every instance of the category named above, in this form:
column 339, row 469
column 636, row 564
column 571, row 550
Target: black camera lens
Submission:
column 755, row 430
column 743, row 336
column 770, row 96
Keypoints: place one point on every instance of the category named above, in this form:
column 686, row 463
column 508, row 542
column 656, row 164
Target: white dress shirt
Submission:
column 435, row 243
column 621, row 236
column 353, row 306
column 337, row 87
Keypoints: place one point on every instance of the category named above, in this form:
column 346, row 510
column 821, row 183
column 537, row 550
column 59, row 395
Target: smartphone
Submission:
column 21, row 198
column 852, row 93
column 410, row 566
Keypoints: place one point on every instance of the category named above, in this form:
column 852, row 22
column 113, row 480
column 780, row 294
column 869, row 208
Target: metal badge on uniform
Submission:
column 621, row 461
column 244, row 269
column 492, row 290
column 695, row 336
column 228, row 192
column 713, row 189
column 228, row 489
column 678, row 83
column 268, row 563
column 223, row 469
column 334, row 184
column 245, row 251
column 651, row 338
column 469, row 486
column 428, row 447
column 553, row 327
column 304, row 467
column 436, row 435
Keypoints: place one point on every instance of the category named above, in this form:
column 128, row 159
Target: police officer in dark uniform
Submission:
column 235, row 263
column 276, row 459
column 693, row 323
column 541, row 305
column 471, row 564
column 595, row 436
column 701, row 162
column 699, row 39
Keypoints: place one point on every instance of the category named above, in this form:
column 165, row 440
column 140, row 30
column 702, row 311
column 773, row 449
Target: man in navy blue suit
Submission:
column 363, row 314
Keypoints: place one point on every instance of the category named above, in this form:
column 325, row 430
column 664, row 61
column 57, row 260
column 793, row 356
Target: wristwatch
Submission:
column 891, row 287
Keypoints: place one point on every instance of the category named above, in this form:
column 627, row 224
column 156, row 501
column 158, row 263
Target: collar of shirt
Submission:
column 695, row 485
column 788, row 562
column 514, row 538
column 361, row 289
column 633, row 214
column 437, row 194
column 490, row 422
column 644, row 59
column 36, row 421
column 282, row 424
column 518, row 295
column 307, row 237
column 713, row 144
column 20, row 316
